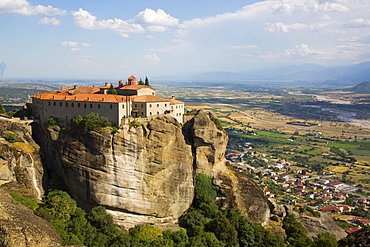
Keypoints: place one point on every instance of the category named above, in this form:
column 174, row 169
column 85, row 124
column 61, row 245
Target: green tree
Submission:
column 141, row 82
column 2, row 110
column 207, row 239
column 60, row 205
column 146, row 81
column 52, row 121
column 223, row 230
column 205, row 191
column 111, row 90
column 326, row 240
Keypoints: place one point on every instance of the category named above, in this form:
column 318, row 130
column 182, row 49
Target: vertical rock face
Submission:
column 208, row 147
column 20, row 162
column 141, row 173
column 146, row 174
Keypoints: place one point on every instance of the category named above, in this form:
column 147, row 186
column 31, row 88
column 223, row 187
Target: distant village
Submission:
column 286, row 183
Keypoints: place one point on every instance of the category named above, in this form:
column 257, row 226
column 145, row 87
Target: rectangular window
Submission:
column 98, row 105
column 73, row 104
column 49, row 103
column 123, row 106
column 157, row 105
column 60, row 104
column 85, row 105
column 90, row 105
column 66, row 104
column 55, row 103
column 78, row 105
column 111, row 107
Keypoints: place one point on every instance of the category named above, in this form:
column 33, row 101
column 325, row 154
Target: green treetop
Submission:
column 146, row 81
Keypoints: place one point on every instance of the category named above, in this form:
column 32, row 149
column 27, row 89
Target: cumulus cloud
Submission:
column 153, row 59
column 49, row 21
column 146, row 21
column 23, row 7
column 157, row 18
column 301, row 50
column 74, row 45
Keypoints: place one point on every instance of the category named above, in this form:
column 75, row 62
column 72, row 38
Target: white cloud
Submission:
column 157, row 18
column 153, row 59
column 285, row 28
column 23, row 7
column 301, row 50
column 146, row 21
column 49, row 21
column 359, row 22
column 74, row 45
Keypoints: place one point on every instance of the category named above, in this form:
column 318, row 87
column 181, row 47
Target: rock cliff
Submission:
column 20, row 227
column 145, row 174
column 20, row 162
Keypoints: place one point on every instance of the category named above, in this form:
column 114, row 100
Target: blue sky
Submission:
column 112, row 39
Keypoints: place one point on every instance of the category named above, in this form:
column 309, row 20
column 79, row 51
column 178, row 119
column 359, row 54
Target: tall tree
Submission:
column 146, row 81
column 111, row 90
column 141, row 82
column 2, row 110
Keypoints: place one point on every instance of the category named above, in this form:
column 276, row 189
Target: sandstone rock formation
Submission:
column 238, row 191
column 20, row 227
column 20, row 162
column 146, row 174
column 316, row 225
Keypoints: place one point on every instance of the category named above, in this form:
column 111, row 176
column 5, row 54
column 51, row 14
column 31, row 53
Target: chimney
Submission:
column 75, row 86
column 88, row 98
column 173, row 97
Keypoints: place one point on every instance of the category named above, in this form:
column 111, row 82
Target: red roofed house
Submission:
column 131, row 100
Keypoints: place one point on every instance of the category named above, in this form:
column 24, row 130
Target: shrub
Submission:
column 52, row 121
column 10, row 136
column 217, row 123
column 30, row 203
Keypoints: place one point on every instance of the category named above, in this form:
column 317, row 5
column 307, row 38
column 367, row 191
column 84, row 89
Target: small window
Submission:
column 111, row 107
column 60, row 104
column 49, row 103
column 78, row 105
column 157, row 112
column 150, row 113
column 165, row 105
column 90, row 105
column 66, row 104
column 135, row 105
column 157, row 105
column 123, row 106
column 99, row 106
column 55, row 103
column 142, row 113
column 85, row 105
column 150, row 105
column 73, row 104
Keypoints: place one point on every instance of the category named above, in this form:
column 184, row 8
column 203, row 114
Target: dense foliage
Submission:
column 203, row 224
column 90, row 122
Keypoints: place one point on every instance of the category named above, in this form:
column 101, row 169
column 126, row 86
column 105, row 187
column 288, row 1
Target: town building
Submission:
column 131, row 100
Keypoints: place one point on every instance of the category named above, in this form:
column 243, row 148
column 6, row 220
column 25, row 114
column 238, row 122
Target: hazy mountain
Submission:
column 314, row 73
column 363, row 88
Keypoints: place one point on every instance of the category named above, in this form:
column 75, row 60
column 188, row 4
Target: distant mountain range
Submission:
column 312, row 73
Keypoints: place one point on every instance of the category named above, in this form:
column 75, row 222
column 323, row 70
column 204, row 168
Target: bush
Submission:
column 52, row 121
column 217, row 123
column 30, row 203
column 10, row 137
column 134, row 124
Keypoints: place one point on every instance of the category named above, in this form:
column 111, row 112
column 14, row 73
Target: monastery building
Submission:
column 131, row 100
